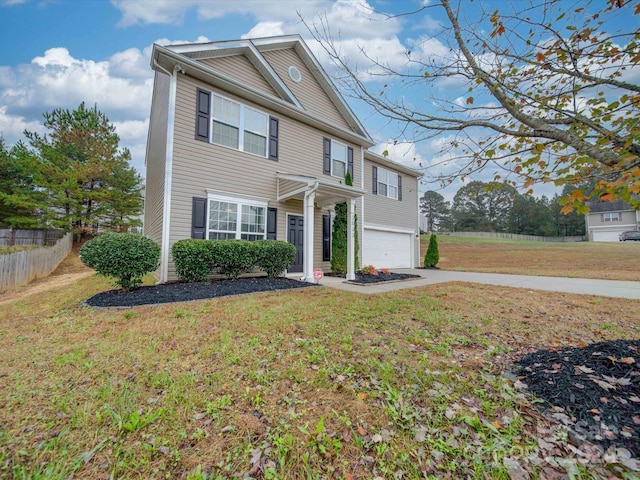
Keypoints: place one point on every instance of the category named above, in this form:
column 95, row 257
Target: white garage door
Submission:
column 386, row 249
column 606, row 236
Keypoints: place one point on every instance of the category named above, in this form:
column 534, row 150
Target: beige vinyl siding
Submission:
column 385, row 211
column 239, row 66
column 155, row 160
column 628, row 218
column 308, row 92
column 199, row 166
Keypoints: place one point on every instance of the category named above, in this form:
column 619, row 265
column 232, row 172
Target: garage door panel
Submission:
column 386, row 249
column 606, row 235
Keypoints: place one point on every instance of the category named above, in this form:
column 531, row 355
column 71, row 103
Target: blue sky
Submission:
column 58, row 53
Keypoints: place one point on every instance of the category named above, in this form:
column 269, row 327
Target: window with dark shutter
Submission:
column 272, row 222
column 203, row 115
column 375, row 180
column 274, row 125
column 199, row 218
column 326, row 163
column 399, row 187
column 326, row 237
column 350, row 161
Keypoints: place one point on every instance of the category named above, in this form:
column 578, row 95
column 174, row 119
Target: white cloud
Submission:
column 265, row 29
column 13, row 126
column 404, row 153
column 152, row 11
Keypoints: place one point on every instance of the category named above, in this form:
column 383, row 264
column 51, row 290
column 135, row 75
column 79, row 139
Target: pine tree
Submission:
column 432, row 257
column 86, row 177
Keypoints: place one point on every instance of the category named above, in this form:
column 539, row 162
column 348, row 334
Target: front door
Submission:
column 295, row 235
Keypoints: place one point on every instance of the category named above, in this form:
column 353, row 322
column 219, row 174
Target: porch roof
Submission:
column 327, row 193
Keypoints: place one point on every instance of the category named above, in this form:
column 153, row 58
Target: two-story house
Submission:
column 250, row 139
column 607, row 220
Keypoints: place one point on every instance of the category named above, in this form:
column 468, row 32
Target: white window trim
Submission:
column 607, row 217
column 240, row 202
column 241, row 126
column 388, row 172
column 335, row 143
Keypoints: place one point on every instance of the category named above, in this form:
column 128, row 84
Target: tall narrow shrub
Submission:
column 432, row 257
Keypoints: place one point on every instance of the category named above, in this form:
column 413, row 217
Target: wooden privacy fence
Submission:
column 21, row 237
column 19, row 268
column 514, row 236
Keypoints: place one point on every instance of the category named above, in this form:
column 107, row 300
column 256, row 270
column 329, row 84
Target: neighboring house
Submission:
column 250, row 139
column 606, row 220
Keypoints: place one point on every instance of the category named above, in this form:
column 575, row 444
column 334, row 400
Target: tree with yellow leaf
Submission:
column 538, row 91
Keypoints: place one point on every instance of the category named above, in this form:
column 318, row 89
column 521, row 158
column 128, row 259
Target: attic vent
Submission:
column 295, row 74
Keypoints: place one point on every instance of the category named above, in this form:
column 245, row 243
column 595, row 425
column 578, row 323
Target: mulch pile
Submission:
column 593, row 389
column 182, row 292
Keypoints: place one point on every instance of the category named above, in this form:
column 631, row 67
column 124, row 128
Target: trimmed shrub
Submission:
column 432, row 257
column 232, row 258
column 193, row 259
column 274, row 256
column 125, row 256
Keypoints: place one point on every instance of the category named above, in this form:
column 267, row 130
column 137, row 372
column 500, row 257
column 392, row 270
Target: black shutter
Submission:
column 399, row 187
column 326, row 237
column 326, row 164
column 273, row 138
column 375, row 180
column 350, row 161
column 203, row 115
column 272, row 222
column 199, row 218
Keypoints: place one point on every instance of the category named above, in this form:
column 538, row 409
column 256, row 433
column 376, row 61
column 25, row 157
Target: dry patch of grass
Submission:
column 605, row 260
column 317, row 383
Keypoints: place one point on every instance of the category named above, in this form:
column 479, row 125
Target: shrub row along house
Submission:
column 249, row 139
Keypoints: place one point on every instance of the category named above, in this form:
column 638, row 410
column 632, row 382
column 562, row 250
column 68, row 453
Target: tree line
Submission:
column 496, row 207
column 75, row 177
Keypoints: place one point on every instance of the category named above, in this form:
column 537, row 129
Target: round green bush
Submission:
column 274, row 256
column 193, row 259
column 232, row 258
column 125, row 256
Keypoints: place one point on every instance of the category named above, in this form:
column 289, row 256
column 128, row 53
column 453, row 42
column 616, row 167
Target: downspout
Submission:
column 168, row 173
column 308, row 205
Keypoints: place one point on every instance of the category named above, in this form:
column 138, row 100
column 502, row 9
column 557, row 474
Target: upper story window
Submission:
column 338, row 158
column 387, row 183
column 232, row 124
column 238, row 126
column 612, row 217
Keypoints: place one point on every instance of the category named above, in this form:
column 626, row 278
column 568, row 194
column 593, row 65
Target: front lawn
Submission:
column 310, row 383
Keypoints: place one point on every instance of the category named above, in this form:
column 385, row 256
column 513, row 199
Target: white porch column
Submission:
column 351, row 210
column 307, row 259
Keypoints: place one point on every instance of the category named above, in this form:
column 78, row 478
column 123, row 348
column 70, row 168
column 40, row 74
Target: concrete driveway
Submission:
column 584, row 286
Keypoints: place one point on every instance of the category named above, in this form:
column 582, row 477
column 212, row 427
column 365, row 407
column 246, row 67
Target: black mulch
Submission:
column 594, row 390
column 382, row 277
column 181, row 292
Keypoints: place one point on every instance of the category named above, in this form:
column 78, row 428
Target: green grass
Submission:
column 301, row 384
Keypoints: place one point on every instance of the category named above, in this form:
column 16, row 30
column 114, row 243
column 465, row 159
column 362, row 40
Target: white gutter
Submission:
column 168, row 174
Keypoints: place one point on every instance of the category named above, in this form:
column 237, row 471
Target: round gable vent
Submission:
column 295, row 74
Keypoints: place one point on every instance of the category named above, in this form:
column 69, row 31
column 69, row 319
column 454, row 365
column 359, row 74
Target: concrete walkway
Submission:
column 584, row 286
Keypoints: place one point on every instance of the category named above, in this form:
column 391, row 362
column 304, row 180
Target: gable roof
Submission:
column 187, row 59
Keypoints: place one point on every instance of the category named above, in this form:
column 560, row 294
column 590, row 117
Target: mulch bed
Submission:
column 592, row 389
column 366, row 279
column 182, row 292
